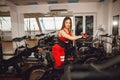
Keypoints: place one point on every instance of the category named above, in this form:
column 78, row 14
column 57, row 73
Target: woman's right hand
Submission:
column 85, row 36
column 80, row 36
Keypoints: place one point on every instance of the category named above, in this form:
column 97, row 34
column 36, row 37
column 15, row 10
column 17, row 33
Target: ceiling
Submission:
column 39, row 2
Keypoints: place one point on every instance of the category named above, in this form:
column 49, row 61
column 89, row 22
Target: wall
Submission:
column 76, row 8
column 116, row 8
column 107, row 18
column 4, row 9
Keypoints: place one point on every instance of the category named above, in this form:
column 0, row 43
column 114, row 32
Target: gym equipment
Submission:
column 44, row 55
column 107, row 70
column 76, row 70
column 13, row 66
column 48, row 68
column 87, row 72
column 15, row 61
column 86, row 52
column 44, row 43
column 46, row 39
column 20, row 47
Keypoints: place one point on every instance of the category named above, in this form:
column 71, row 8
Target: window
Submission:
column 46, row 23
column 79, row 25
column 89, row 24
column 85, row 23
column 51, row 23
column 30, row 24
column 5, row 23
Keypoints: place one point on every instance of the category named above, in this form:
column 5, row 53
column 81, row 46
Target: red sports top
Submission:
column 63, row 38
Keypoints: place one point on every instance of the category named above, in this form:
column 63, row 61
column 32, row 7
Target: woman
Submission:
column 65, row 35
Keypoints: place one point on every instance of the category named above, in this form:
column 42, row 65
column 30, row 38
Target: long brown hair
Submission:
column 63, row 24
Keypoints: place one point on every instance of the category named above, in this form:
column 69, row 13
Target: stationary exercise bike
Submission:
column 14, row 65
column 108, row 70
column 87, row 52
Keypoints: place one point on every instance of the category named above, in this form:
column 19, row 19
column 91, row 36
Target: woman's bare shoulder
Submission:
column 61, row 31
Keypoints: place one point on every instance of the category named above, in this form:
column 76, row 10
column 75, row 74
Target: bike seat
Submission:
column 17, row 39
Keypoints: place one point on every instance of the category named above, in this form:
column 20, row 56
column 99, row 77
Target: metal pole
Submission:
column 1, row 51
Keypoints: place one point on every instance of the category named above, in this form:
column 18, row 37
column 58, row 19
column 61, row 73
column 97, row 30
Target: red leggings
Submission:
column 58, row 54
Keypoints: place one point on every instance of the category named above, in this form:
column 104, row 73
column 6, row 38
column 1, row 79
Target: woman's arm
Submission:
column 73, row 37
column 72, row 34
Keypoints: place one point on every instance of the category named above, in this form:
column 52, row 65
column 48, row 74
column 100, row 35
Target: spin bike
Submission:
column 13, row 66
column 46, row 70
column 108, row 70
column 87, row 52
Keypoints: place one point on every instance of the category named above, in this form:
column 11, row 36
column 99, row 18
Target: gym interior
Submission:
column 29, row 28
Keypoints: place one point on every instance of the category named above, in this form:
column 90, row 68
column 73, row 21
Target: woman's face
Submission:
column 67, row 24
